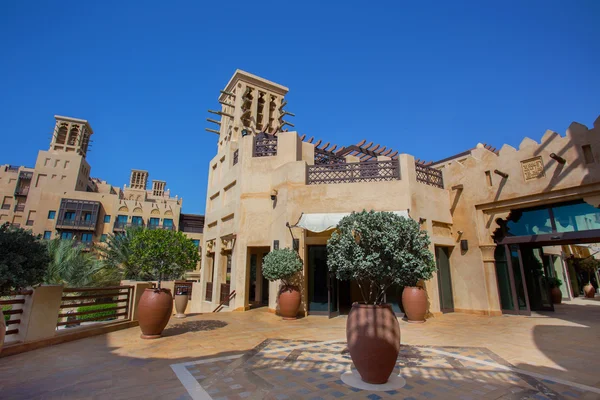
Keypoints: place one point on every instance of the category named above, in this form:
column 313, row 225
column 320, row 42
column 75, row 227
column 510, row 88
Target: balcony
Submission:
column 26, row 175
column 76, row 224
column 20, row 207
column 368, row 171
column 22, row 191
column 120, row 225
column 161, row 226
column 429, row 176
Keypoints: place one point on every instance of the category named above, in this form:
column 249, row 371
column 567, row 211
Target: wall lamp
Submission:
column 464, row 245
column 558, row 158
column 274, row 194
column 502, row 174
column 245, row 132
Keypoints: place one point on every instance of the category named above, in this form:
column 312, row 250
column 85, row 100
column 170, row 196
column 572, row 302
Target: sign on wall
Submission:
column 533, row 168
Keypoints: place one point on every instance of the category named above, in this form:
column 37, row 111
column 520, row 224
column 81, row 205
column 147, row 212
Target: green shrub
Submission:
column 379, row 250
column 107, row 315
column 554, row 282
column 6, row 307
column 281, row 264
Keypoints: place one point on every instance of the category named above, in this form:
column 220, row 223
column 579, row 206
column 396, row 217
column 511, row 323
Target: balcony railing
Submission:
column 429, row 176
column 22, row 191
column 12, row 168
column 369, row 171
column 161, row 226
column 265, row 145
column 20, row 207
column 76, row 224
column 120, row 225
column 75, row 305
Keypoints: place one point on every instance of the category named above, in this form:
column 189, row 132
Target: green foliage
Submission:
column 23, row 259
column 554, row 282
column 378, row 250
column 163, row 254
column 73, row 266
column 590, row 265
column 281, row 264
column 117, row 253
column 6, row 307
column 100, row 314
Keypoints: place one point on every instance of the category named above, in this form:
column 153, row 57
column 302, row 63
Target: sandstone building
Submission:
column 500, row 221
column 58, row 196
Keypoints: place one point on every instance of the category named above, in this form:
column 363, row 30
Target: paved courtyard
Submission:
column 257, row 355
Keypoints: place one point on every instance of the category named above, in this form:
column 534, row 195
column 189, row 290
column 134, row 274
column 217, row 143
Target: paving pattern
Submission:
column 300, row 369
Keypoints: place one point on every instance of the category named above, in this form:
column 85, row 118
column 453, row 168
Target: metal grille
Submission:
column 327, row 157
column 225, row 295
column 429, row 176
column 265, row 145
column 369, row 171
column 209, row 288
column 235, row 156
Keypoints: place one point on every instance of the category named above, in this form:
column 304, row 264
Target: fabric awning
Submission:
column 322, row 222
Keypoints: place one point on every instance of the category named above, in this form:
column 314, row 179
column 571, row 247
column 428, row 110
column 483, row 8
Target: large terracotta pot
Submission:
column 373, row 335
column 589, row 291
column 289, row 302
column 414, row 301
column 154, row 312
column 181, row 301
column 2, row 329
column 556, row 295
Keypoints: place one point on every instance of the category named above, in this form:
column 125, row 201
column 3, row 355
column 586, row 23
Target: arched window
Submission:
column 73, row 135
column 61, row 135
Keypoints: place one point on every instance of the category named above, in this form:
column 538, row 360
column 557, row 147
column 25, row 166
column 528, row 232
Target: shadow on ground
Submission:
column 193, row 326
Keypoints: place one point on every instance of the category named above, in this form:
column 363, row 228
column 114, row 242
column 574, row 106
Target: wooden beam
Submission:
column 318, row 143
column 212, row 130
column 325, row 146
column 302, row 137
column 311, row 139
column 361, row 142
column 366, row 146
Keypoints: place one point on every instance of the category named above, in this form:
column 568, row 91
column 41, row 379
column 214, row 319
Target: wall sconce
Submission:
column 502, row 174
column 245, row 132
column 460, row 233
column 464, row 245
column 274, row 194
column 275, row 244
column 557, row 158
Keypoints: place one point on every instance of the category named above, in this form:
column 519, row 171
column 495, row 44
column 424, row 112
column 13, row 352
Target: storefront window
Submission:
column 529, row 222
column 575, row 217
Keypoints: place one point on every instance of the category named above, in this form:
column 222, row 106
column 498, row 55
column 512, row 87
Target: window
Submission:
column 103, row 237
column 122, row 218
column 106, row 219
column 154, row 221
column 70, row 215
column 86, row 237
column 51, row 214
column 87, row 216
column 167, row 222
column 196, row 242
column 47, row 235
column 137, row 221
column 66, row 235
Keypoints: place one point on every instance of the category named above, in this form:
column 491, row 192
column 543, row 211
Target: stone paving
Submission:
column 257, row 355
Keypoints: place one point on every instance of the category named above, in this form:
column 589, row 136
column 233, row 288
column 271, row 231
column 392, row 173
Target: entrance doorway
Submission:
column 442, row 258
column 326, row 294
column 258, row 293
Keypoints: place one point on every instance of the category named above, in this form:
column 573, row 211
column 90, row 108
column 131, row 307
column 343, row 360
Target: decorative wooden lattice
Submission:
column 327, row 157
column 369, row 171
column 265, row 145
column 429, row 176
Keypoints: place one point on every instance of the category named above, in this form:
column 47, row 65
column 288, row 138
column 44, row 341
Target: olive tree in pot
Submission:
column 555, row 292
column 161, row 255
column 23, row 262
column 589, row 265
column 375, row 249
column 284, row 265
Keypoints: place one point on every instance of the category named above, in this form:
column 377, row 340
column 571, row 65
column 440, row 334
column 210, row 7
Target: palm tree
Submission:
column 117, row 254
column 73, row 266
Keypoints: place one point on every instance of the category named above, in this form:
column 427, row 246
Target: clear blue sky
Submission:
column 427, row 78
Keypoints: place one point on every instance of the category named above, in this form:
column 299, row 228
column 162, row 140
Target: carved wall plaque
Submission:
column 533, row 168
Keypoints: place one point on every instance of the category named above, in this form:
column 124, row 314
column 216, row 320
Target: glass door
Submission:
column 333, row 296
column 536, row 272
column 511, row 287
column 318, row 281
column 442, row 258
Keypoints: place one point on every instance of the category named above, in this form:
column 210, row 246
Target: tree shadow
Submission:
column 193, row 326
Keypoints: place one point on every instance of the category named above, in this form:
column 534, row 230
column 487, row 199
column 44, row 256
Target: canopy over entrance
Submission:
column 322, row 222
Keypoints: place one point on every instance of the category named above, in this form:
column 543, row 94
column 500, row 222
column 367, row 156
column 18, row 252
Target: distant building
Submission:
column 58, row 198
column 501, row 221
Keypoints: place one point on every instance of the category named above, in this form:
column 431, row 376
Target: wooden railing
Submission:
column 94, row 301
column 368, row 171
column 429, row 176
column 226, row 300
column 12, row 325
column 265, row 145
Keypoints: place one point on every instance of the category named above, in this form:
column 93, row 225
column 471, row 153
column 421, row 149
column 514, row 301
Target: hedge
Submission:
column 108, row 314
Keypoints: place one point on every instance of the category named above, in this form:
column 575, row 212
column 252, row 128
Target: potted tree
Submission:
column 589, row 265
column 160, row 254
column 284, row 265
column 23, row 263
column 555, row 292
column 375, row 249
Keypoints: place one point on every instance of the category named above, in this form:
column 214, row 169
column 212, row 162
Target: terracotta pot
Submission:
column 556, row 295
column 589, row 291
column 154, row 312
column 414, row 301
column 181, row 301
column 373, row 335
column 2, row 329
column 289, row 302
